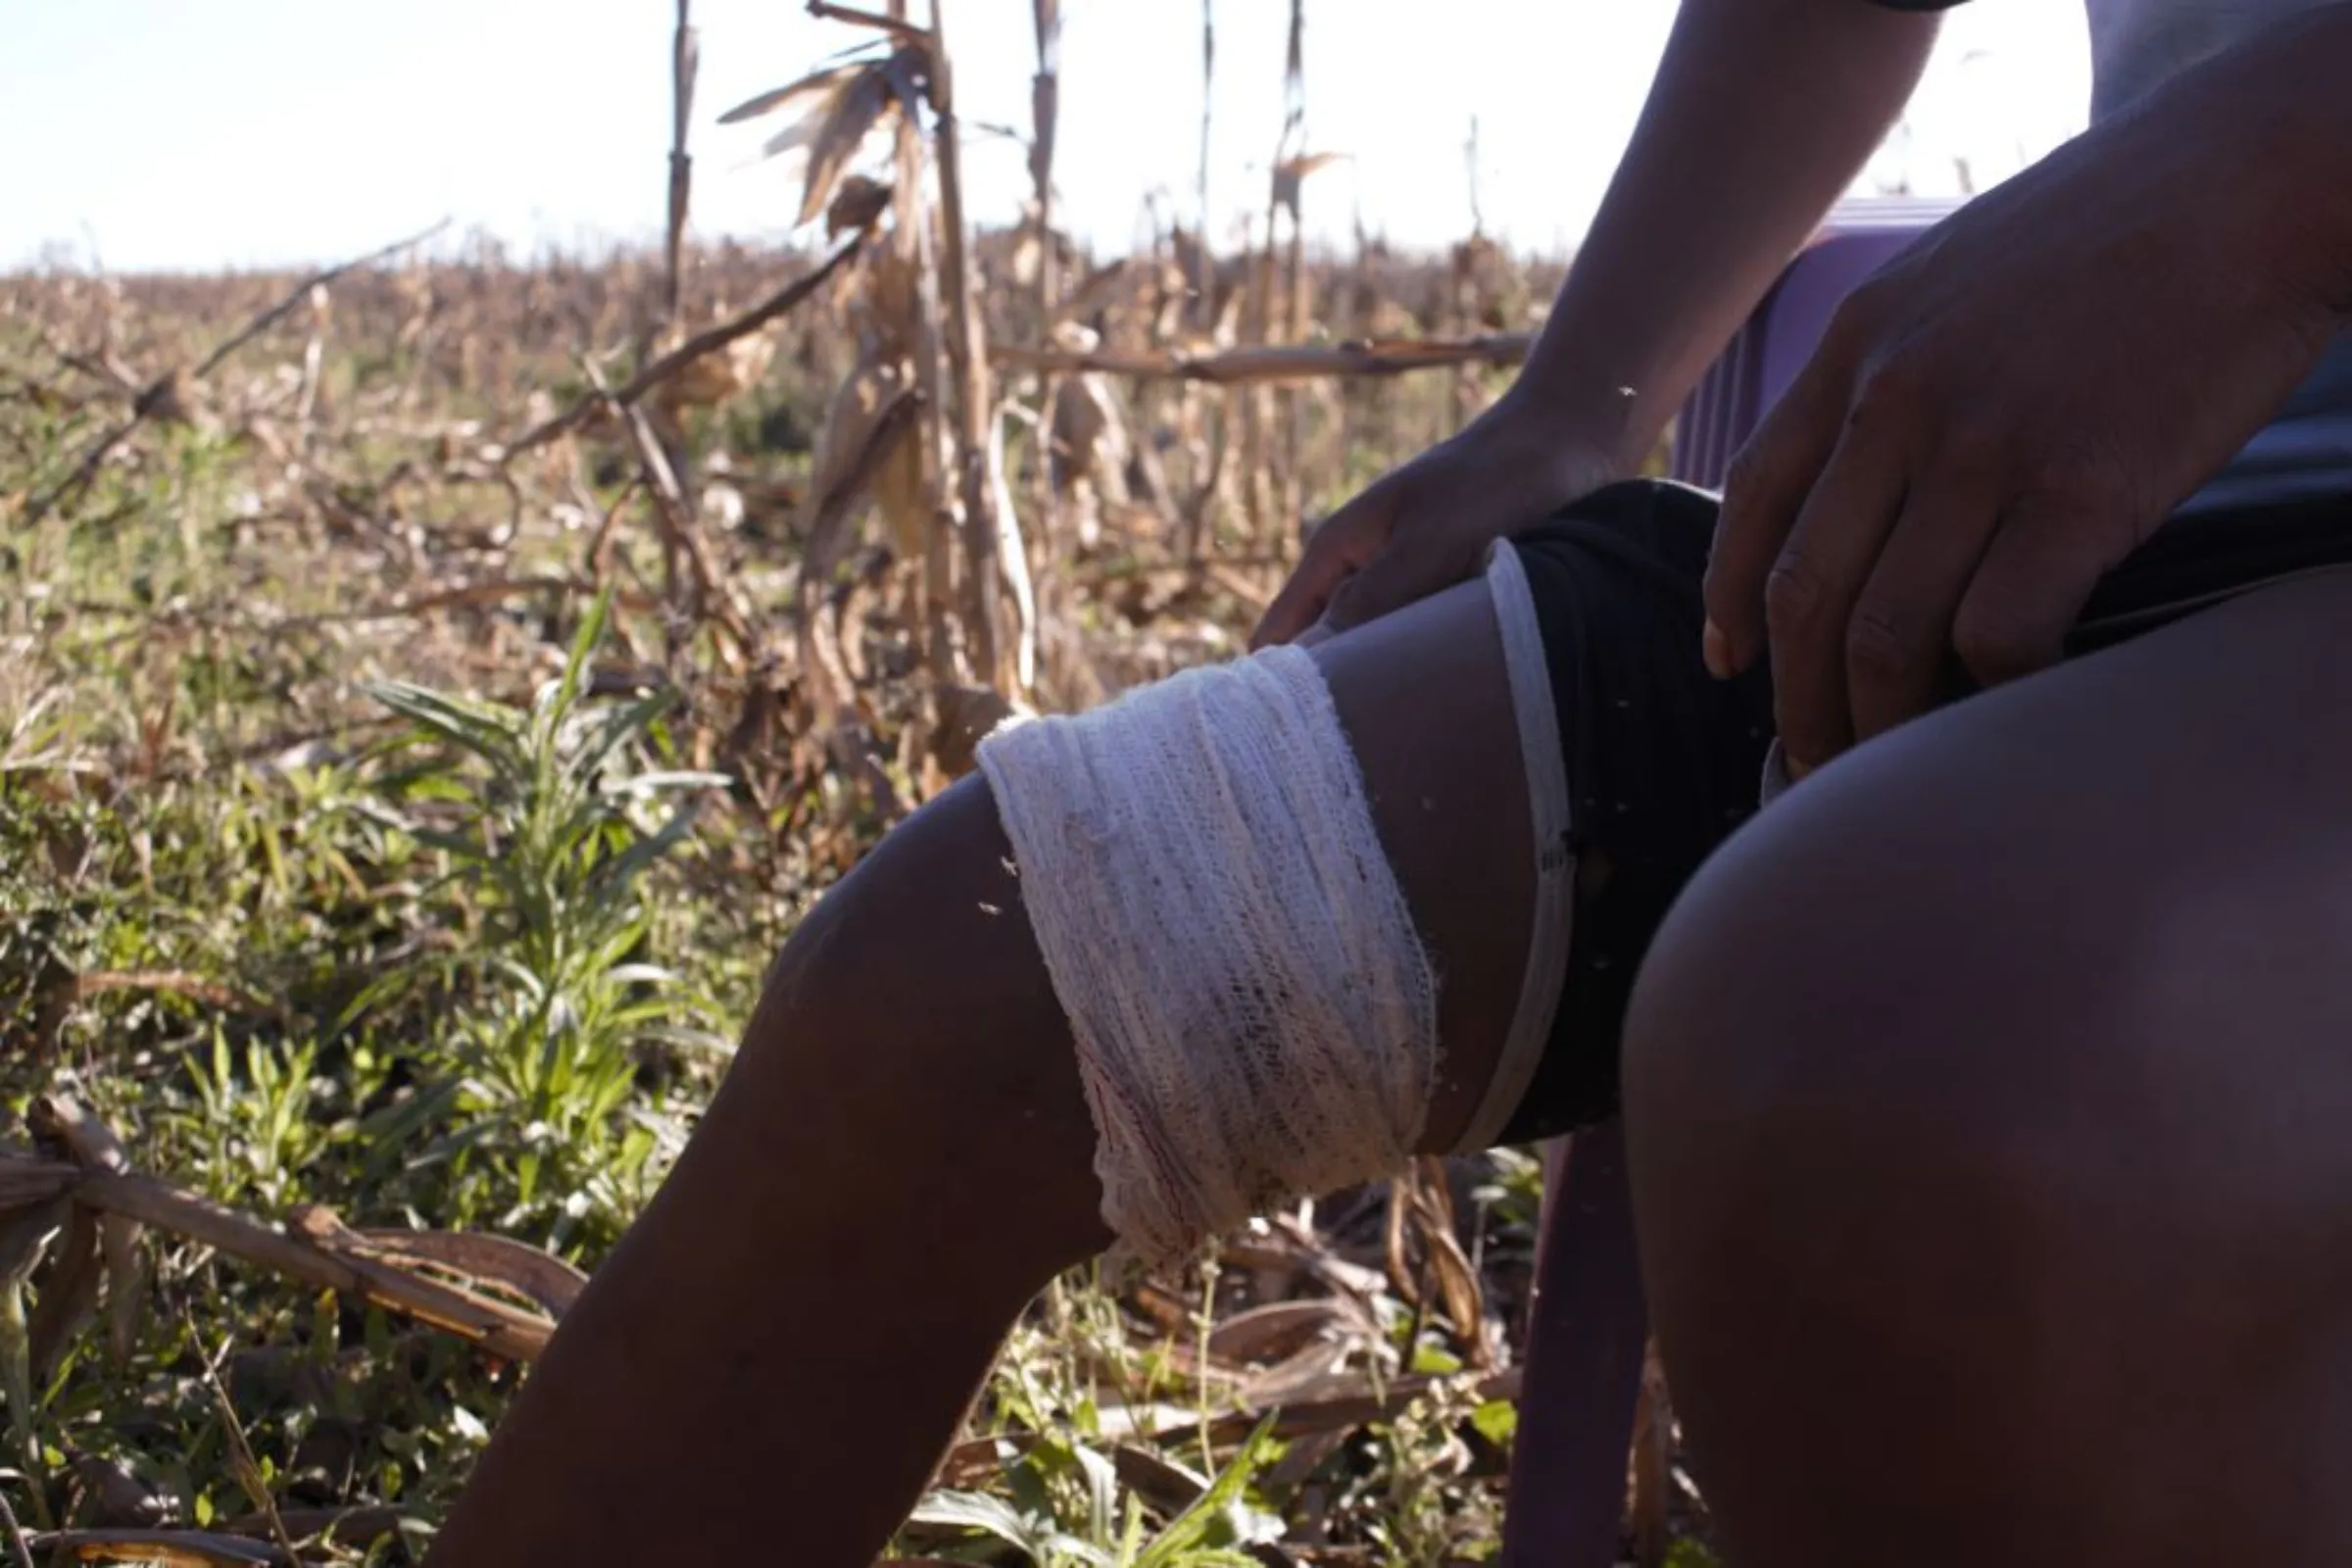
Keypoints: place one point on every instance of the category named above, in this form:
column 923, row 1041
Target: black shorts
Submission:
column 1664, row 762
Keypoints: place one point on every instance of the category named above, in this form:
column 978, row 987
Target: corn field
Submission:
column 433, row 689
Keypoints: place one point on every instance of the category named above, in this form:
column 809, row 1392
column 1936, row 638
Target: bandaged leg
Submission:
column 1253, row 1009
column 912, row 1048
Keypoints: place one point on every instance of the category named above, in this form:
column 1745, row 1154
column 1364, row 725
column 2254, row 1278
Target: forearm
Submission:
column 2289, row 90
column 1761, row 114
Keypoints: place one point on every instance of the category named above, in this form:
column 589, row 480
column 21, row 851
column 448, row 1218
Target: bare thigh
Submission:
column 1988, row 1101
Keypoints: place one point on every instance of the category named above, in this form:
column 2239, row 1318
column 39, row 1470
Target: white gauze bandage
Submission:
column 1255, row 1012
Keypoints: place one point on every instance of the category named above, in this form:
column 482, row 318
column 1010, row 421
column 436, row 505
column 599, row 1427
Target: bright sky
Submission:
column 203, row 134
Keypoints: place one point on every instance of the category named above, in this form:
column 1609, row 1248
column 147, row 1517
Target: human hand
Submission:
column 1425, row 525
column 2007, row 411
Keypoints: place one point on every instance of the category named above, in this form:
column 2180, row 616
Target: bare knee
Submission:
column 1838, row 1205
column 1921, row 1120
column 909, row 1026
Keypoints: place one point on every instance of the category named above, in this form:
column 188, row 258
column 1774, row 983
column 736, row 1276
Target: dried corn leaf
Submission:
column 858, row 203
column 172, row 1549
column 485, row 1260
column 1306, row 164
column 1160, row 1482
column 903, row 496
column 498, row 1326
column 1311, row 1373
column 893, row 289
column 869, row 418
column 825, row 83
column 1278, row 1329
column 797, row 135
column 1289, row 178
column 863, row 411
column 1458, row 1284
column 863, row 105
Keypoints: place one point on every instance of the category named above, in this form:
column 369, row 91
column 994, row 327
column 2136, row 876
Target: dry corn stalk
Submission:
column 984, row 525
column 933, row 328
column 892, row 308
column 1197, row 272
column 884, row 438
column 1045, row 107
column 1241, row 367
column 685, row 62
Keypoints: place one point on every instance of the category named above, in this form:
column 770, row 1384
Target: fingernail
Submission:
column 1716, row 649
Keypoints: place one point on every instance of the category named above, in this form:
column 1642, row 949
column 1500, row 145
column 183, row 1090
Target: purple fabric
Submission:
column 1767, row 354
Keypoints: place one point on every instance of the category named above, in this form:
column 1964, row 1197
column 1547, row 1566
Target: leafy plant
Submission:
column 259, row 1120
column 1108, row 1526
column 548, row 832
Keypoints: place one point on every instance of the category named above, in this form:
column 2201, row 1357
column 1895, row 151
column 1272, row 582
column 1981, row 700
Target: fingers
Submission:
column 1348, row 539
column 1949, row 566
column 1810, row 590
column 1408, row 569
column 2042, row 563
column 1899, row 642
column 1361, row 564
column 1768, row 484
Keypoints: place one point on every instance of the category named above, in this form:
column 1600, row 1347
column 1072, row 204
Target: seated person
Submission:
column 1986, row 1094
